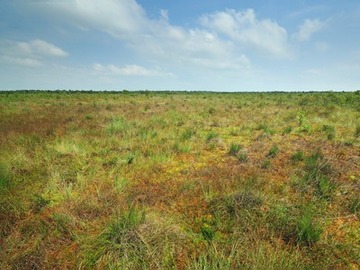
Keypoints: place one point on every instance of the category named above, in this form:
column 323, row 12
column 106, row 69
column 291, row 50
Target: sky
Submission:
column 213, row 45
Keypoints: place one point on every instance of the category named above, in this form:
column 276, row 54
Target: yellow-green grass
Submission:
column 177, row 180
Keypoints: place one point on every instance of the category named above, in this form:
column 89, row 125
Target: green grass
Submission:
column 179, row 180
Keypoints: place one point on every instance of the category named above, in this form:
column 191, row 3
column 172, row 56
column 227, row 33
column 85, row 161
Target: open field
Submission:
column 161, row 180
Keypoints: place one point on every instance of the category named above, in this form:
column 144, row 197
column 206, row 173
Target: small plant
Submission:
column 39, row 203
column 265, row 164
column 273, row 151
column 329, row 131
column 357, row 132
column 287, row 130
column 243, row 157
column 130, row 159
column 211, row 135
column 118, row 125
column 4, row 177
column 120, row 184
column 234, row 149
column 265, row 128
column 211, row 111
column 298, row 156
column 207, row 231
column 308, row 232
column 232, row 205
column 187, row 134
column 317, row 175
column 282, row 220
column 119, row 239
column 301, row 118
column 179, row 148
column 234, row 132
column 354, row 206
column 325, row 187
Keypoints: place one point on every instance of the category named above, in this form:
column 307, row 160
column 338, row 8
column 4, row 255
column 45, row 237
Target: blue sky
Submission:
column 221, row 45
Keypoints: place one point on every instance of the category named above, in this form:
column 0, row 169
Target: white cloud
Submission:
column 31, row 54
column 308, row 28
column 165, row 14
column 22, row 61
column 45, row 48
column 156, row 38
column 119, row 18
column 129, row 70
column 245, row 29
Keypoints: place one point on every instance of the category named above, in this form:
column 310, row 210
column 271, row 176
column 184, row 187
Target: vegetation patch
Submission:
column 179, row 180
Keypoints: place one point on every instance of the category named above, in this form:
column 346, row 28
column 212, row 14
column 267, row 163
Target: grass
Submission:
column 178, row 180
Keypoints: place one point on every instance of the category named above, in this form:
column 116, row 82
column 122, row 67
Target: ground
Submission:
column 179, row 180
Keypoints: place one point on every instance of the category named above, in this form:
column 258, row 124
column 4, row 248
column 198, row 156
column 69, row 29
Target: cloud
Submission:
column 155, row 38
column 33, row 53
column 245, row 29
column 308, row 28
column 118, row 18
column 129, row 70
column 42, row 47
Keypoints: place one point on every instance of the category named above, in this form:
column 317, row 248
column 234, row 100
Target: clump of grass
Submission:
column 39, row 203
column 308, row 232
column 287, row 130
column 118, row 241
column 265, row 128
column 234, row 149
column 242, row 156
column 298, row 156
column 187, row 134
column 329, row 131
column 273, row 151
column 207, row 227
column 281, row 219
column 118, row 125
column 318, row 175
column 357, row 132
column 180, row 148
column 5, row 178
column 211, row 111
column 265, row 164
column 354, row 206
column 120, row 184
column 232, row 205
column 211, row 135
